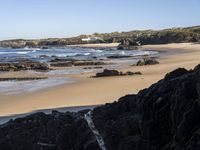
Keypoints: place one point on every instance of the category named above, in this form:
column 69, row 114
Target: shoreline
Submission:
column 89, row 91
column 4, row 119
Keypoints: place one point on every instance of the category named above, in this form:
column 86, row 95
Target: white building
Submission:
column 91, row 39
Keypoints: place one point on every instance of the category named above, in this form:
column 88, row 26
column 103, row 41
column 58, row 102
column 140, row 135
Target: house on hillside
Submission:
column 91, row 39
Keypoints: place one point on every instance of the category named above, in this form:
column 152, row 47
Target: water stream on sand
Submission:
column 88, row 118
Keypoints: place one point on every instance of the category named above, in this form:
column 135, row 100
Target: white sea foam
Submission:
column 86, row 54
column 14, row 87
column 22, row 53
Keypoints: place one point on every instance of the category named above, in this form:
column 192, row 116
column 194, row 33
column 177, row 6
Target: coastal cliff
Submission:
column 128, row 40
column 165, row 116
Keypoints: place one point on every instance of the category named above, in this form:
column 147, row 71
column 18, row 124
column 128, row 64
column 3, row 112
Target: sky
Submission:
column 32, row 19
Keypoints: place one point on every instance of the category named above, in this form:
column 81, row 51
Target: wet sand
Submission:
column 92, row 91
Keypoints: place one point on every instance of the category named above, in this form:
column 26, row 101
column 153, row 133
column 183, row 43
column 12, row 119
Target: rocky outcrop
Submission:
column 41, row 43
column 22, row 78
column 69, row 63
column 109, row 73
column 89, row 63
column 147, row 61
column 128, row 44
column 24, row 65
column 119, row 56
column 129, row 40
column 166, row 116
column 97, row 67
column 57, row 131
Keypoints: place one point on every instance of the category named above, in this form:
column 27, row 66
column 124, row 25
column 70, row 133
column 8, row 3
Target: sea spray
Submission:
column 88, row 118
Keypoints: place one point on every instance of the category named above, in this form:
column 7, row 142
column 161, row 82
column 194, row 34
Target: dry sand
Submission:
column 91, row 91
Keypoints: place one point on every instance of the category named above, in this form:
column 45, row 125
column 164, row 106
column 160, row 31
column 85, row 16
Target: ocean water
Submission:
column 55, row 76
column 45, row 55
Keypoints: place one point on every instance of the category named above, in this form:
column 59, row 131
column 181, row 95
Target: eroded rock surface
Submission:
column 166, row 116
column 57, row 131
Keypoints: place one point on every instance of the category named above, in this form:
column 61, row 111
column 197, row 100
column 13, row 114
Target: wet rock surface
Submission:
column 24, row 65
column 147, row 61
column 22, row 78
column 109, row 73
column 97, row 67
column 119, row 56
column 72, row 62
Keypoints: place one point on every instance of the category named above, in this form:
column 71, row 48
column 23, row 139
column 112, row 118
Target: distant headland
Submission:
column 128, row 40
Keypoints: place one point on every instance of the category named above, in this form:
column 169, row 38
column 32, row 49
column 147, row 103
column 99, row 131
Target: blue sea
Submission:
column 55, row 77
column 44, row 55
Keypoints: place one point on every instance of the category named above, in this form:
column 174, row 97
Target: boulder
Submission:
column 128, row 44
column 147, row 61
column 108, row 73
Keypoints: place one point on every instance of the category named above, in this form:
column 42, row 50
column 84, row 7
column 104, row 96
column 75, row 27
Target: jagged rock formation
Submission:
column 166, row 116
column 58, row 131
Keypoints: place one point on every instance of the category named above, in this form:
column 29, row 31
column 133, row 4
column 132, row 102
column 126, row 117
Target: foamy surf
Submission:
column 17, row 87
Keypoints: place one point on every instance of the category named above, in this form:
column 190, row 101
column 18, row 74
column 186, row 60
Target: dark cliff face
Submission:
column 166, row 116
column 58, row 131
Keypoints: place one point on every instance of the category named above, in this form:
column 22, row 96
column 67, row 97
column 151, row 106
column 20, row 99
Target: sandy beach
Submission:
column 92, row 91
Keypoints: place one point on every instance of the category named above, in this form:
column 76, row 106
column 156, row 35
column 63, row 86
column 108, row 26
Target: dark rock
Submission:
column 68, row 63
column 176, row 73
column 62, row 64
column 24, row 65
column 98, row 67
column 57, row 131
column 118, row 56
column 56, row 59
column 22, row 78
column 147, row 61
column 128, row 44
column 129, row 73
column 88, row 63
column 108, row 73
column 163, row 117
